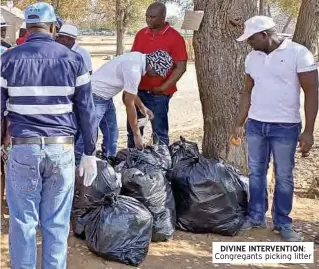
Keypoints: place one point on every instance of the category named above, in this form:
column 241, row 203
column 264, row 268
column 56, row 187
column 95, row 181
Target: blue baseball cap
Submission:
column 39, row 13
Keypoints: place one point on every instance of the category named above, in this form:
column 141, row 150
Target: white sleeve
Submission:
column 305, row 61
column 88, row 61
column 247, row 67
column 132, row 78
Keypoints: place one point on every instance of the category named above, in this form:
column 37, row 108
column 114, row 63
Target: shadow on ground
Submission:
column 185, row 251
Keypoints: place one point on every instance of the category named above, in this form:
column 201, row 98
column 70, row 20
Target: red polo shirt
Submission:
column 169, row 40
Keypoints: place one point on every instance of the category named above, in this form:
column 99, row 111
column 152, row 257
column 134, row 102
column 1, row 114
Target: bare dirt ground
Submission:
column 186, row 250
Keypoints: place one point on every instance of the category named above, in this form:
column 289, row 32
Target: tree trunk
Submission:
column 269, row 10
column 120, row 37
column 261, row 7
column 219, row 60
column 123, row 15
column 120, row 34
column 307, row 27
column 284, row 29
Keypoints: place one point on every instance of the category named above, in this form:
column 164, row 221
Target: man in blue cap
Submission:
column 41, row 82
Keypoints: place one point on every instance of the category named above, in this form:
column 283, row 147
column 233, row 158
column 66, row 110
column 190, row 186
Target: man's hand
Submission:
column 158, row 90
column 238, row 132
column 138, row 140
column 146, row 112
column 88, row 169
column 306, row 141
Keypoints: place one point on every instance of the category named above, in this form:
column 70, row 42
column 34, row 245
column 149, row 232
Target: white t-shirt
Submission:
column 85, row 55
column 121, row 73
column 276, row 94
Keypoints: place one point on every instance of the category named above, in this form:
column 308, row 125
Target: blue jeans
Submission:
column 159, row 104
column 40, row 187
column 279, row 140
column 106, row 117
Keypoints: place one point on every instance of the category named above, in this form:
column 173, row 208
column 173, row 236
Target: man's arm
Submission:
column 143, row 109
column 309, row 84
column 307, row 70
column 245, row 100
column 179, row 55
column 129, row 102
column 4, row 98
column 178, row 71
column 84, row 106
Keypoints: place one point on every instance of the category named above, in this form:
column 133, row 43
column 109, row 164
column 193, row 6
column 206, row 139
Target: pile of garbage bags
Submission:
column 145, row 194
column 210, row 196
column 144, row 178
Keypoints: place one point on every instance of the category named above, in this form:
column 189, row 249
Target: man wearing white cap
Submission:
column 3, row 24
column 46, row 91
column 275, row 71
column 67, row 36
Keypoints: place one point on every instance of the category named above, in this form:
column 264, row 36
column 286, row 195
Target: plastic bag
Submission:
column 152, row 157
column 120, row 229
column 208, row 196
column 107, row 182
column 183, row 149
column 153, row 191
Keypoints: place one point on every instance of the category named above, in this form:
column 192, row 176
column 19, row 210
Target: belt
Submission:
column 42, row 140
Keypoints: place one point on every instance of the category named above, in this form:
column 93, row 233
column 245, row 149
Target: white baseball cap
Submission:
column 68, row 30
column 255, row 25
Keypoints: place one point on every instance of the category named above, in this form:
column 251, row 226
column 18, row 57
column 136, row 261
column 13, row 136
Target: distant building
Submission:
column 15, row 18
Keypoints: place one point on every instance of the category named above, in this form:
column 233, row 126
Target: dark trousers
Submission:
column 159, row 105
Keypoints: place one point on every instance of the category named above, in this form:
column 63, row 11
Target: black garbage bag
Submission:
column 183, row 149
column 107, row 182
column 153, row 191
column 209, row 197
column 152, row 157
column 119, row 229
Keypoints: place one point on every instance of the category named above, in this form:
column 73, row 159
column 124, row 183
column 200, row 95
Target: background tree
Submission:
column 287, row 12
column 122, row 14
column 307, row 27
column 173, row 20
column 68, row 10
column 219, row 61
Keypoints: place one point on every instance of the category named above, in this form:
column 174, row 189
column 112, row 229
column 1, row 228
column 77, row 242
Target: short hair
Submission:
column 160, row 6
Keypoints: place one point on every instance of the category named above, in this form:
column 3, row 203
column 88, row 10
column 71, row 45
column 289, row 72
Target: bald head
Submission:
column 159, row 8
column 155, row 16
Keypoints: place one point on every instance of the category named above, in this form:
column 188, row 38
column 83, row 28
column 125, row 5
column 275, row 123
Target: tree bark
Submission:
column 269, row 10
column 123, row 13
column 307, row 27
column 261, row 7
column 119, row 28
column 219, row 61
column 284, row 29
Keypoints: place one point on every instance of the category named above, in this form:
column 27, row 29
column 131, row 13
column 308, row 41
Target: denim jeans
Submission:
column 40, row 187
column 106, row 117
column 159, row 104
column 279, row 140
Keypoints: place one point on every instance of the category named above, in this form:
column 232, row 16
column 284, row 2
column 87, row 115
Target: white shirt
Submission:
column 276, row 94
column 85, row 55
column 121, row 73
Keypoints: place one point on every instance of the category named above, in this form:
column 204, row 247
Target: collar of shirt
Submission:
column 161, row 32
column 75, row 46
column 39, row 36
